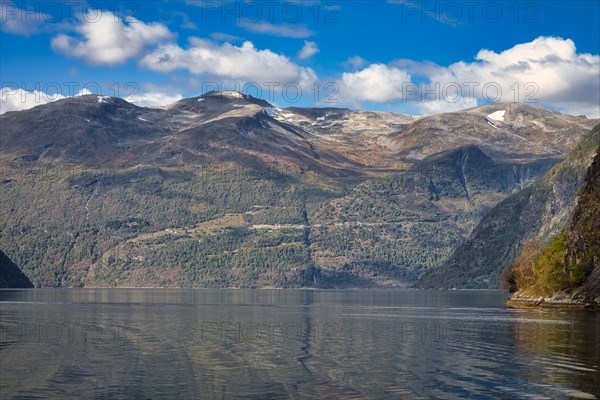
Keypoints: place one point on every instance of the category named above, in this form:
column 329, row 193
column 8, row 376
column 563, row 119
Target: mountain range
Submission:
column 227, row 190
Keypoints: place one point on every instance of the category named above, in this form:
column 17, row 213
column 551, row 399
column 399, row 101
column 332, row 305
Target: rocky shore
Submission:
column 574, row 300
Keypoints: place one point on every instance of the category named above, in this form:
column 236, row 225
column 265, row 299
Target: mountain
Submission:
column 220, row 127
column 227, row 190
column 537, row 212
column 507, row 131
column 10, row 274
column 216, row 127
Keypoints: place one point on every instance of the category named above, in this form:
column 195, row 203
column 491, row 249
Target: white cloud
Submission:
column 564, row 78
column 441, row 106
column 227, row 61
column 285, row 30
column 18, row 21
column 378, row 83
column 355, row 62
column 547, row 69
column 153, row 99
column 83, row 92
column 308, row 50
column 108, row 40
column 18, row 99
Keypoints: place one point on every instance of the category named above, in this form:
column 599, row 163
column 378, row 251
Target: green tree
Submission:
column 550, row 271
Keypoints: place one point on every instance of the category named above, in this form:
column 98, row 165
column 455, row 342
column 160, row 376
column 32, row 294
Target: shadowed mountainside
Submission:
column 538, row 211
column 10, row 274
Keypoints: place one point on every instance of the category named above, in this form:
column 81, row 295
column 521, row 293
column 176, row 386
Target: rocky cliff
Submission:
column 574, row 279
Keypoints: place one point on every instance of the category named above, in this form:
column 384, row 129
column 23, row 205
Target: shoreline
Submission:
column 558, row 301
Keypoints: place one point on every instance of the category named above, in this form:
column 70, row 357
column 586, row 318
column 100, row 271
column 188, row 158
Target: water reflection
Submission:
column 564, row 355
column 291, row 344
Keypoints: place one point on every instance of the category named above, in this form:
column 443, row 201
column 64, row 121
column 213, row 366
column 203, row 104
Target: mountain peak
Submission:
column 233, row 95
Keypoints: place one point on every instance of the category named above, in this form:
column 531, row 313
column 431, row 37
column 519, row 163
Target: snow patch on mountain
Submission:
column 271, row 111
column 232, row 94
column 497, row 116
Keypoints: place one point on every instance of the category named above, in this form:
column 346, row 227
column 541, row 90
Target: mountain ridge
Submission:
column 227, row 190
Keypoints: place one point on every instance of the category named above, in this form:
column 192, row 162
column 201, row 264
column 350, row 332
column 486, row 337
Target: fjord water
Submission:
column 263, row 344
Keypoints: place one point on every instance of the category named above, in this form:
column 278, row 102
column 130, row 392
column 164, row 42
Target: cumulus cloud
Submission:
column 546, row 71
column 19, row 99
column 105, row 39
column 153, row 99
column 285, row 30
column 431, row 106
column 228, row 61
column 18, row 21
column 308, row 50
column 377, row 83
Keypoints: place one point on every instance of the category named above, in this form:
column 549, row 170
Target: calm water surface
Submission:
column 291, row 344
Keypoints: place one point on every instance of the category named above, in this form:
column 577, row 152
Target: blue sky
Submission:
column 404, row 56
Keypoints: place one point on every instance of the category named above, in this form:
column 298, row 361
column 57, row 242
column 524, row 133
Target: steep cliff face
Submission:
column 567, row 272
column 583, row 233
column 538, row 212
